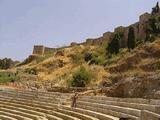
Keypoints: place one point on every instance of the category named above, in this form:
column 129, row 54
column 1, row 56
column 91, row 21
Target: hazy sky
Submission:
column 24, row 23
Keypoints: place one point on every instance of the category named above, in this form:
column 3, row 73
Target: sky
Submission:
column 55, row 23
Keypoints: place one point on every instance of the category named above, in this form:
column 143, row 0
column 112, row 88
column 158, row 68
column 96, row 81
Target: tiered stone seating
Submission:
column 39, row 105
column 44, row 106
column 3, row 117
column 133, row 108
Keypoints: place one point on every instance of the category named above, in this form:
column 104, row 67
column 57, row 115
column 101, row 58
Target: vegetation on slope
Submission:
column 124, row 70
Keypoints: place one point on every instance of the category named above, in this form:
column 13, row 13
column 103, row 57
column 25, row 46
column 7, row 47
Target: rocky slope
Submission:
column 138, row 73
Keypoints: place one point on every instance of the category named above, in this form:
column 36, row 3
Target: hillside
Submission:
column 137, row 74
column 125, row 62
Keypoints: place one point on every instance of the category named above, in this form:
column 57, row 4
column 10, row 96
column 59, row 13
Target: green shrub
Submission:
column 80, row 78
column 114, row 46
column 97, row 59
column 7, row 77
column 153, row 28
column 94, row 58
column 6, row 63
column 151, row 37
column 139, row 41
column 131, row 38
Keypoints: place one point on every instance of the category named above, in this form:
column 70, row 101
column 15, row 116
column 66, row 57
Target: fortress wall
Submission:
column 41, row 50
column 49, row 50
column 139, row 29
column 143, row 19
column 107, row 35
column 38, row 50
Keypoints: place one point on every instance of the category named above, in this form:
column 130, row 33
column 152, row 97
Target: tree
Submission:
column 155, row 10
column 6, row 63
column 114, row 46
column 131, row 39
column 157, row 7
column 152, row 28
column 81, row 78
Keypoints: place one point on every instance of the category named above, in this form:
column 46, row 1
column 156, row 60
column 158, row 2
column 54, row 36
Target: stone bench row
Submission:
column 64, row 95
column 139, row 106
column 55, row 99
column 129, row 100
column 32, row 111
column 30, row 107
column 147, row 115
column 120, row 109
column 4, row 117
column 99, row 115
column 33, row 94
column 110, row 110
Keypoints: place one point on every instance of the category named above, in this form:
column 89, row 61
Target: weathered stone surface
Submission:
column 42, row 50
column 137, row 86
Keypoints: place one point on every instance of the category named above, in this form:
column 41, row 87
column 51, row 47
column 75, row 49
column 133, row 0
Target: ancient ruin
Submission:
column 126, row 87
column 42, row 50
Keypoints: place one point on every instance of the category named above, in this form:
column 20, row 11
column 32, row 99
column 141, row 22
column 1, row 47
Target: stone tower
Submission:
column 38, row 50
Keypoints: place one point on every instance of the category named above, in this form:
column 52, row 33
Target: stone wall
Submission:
column 38, row 50
column 139, row 30
column 41, row 50
column 143, row 20
column 49, row 50
column 107, row 36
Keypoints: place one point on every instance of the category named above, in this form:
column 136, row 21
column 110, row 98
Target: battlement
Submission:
column 42, row 50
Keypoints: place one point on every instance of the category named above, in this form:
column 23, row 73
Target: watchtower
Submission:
column 38, row 50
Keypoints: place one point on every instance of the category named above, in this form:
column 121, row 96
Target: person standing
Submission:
column 74, row 99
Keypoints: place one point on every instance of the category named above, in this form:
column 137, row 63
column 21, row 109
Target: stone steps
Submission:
column 147, row 115
column 126, row 110
column 55, row 99
column 76, row 114
column 10, row 106
column 38, row 105
column 107, row 112
column 18, row 104
column 3, row 117
column 14, row 116
column 51, row 117
column 149, row 107
column 129, row 100
column 34, row 103
column 29, row 109
column 94, row 114
column 50, row 94
column 53, row 112
column 27, row 115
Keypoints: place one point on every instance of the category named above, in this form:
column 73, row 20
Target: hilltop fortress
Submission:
column 139, row 30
